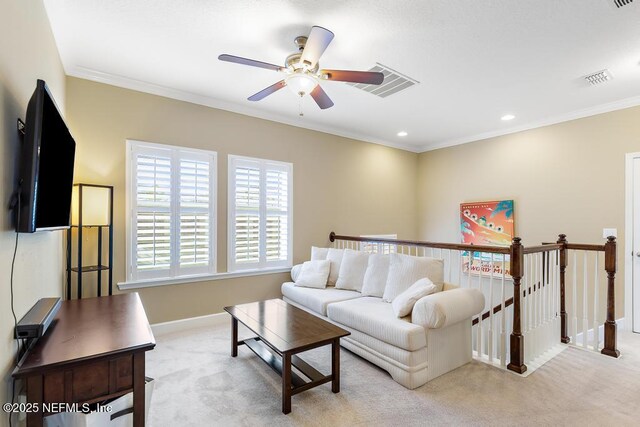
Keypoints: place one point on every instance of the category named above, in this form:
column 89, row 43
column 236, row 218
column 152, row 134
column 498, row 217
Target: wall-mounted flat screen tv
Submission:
column 46, row 166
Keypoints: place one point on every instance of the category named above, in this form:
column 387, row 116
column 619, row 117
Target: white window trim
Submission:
column 131, row 273
column 231, row 212
column 139, row 284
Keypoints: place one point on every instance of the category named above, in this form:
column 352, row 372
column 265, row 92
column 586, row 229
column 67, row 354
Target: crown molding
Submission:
column 574, row 115
column 207, row 101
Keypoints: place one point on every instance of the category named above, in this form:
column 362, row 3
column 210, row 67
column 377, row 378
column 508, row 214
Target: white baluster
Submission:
column 539, row 302
column 470, row 264
column 503, row 326
column 585, row 292
column 574, row 300
column 534, row 291
column 596, row 326
column 526, row 282
column 479, row 337
column 449, row 266
column 491, row 332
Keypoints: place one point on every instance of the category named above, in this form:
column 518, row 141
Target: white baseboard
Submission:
column 190, row 323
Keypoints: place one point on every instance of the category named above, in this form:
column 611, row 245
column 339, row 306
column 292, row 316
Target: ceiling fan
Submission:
column 303, row 73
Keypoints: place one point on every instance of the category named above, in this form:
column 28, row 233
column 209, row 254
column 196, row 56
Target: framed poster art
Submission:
column 486, row 223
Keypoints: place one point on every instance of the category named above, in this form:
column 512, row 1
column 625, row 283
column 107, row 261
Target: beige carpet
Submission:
column 199, row 384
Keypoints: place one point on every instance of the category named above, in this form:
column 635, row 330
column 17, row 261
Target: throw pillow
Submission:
column 352, row 270
column 405, row 270
column 375, row 278
column 295, row 271
column 314, row 274
column 403, row 304
column 335, row 256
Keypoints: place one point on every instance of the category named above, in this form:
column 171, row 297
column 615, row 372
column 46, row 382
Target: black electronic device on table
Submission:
column 35, row 323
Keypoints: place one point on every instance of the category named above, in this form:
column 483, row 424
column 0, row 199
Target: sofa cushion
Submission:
column 314, row 274
column 375, row 317
column 375, row 278
column 316, row 299
column 335, row 256
column 318, row 254
column 352, row 270
column 405, row 270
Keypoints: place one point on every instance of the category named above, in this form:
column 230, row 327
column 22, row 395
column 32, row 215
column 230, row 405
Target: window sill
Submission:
column 123, row 286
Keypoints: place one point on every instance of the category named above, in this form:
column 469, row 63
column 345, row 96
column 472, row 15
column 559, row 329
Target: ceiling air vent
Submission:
column 393, row 82
column 599, row 77
column 620, row 3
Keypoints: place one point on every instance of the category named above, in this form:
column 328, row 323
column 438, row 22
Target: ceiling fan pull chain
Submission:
column 300, row 113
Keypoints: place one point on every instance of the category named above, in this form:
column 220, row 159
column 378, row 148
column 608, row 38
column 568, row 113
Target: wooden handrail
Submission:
column 436, row 245
column 585, row 247
column 542, row 248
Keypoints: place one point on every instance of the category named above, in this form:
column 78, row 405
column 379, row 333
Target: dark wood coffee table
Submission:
column 284, row 330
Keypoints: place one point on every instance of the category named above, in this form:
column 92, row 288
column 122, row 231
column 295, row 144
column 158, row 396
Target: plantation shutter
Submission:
column 172, row 224
column 195, row 242
column 247, row 218
column 277, row 210
column 153, row 219
column 259, row 213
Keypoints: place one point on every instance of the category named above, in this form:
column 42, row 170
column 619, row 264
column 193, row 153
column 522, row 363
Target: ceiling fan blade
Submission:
column 317, row 42
column 267, row 91
column 247, row 61
column 366, row 77
column 321, row 98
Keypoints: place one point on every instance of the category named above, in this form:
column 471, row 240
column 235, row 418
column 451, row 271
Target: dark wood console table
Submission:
column 93, row 351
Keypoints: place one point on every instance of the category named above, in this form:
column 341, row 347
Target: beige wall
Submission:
column 339, row 184
column 566, row 178
column 27, row 52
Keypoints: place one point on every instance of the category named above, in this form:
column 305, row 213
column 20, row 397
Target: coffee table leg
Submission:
column 335, row 365
column 234, row 337
column 286, row 383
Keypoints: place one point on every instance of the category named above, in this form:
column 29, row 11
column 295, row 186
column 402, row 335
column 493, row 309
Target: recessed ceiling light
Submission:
column 507, row 117
column 402, row 133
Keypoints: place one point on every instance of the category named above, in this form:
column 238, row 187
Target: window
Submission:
column 171, row 205
column 260, row 214
column 379, row 248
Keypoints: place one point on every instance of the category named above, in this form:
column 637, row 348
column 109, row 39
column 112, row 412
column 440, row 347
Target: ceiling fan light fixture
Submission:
column 301, row 84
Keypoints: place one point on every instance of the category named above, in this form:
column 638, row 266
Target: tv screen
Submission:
column 46, row 168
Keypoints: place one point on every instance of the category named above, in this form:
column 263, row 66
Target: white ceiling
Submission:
column 475, row 60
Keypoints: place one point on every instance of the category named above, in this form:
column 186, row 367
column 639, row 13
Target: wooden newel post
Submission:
column 564, row 336
column 516, row 362
column 610, row 327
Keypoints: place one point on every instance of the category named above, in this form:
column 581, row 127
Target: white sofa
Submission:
column 433, row 340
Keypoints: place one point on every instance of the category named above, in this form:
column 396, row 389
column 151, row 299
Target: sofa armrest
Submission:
column 447, row 307
column 295, row 272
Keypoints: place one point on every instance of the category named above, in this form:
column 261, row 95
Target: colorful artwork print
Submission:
column 490, row 224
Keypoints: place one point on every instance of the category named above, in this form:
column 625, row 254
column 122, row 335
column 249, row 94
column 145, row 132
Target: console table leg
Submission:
column 286, row 383
column 234, row 337
column 35, row 395
column 138, row 389
column 335, row 366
